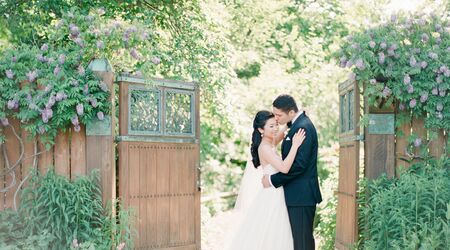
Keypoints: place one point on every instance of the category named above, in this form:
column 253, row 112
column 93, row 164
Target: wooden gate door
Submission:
column 159, row 161
column 347, row 210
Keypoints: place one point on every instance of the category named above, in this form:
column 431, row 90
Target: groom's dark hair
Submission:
column 286, row 103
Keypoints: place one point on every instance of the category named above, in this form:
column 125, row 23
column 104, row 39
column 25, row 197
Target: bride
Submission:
column 263, row 218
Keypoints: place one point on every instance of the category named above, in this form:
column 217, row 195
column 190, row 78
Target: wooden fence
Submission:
column 389, row 153
column 74, row 153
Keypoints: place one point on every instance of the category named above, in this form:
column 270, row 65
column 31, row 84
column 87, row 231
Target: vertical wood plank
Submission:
column 13, row 152
column 437, row 145
column 401, row 145
column 78, row 153
column 196, row 152
column 418, row 128
column 62, row 154
column 124, row 174
column 134, row 186
column 151, row 164
column 28, row 158
column 143, row 194
column 163, row 189
column 176, row 165
column 45, row 158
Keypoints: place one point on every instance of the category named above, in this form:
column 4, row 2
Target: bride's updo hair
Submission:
column 259, row 122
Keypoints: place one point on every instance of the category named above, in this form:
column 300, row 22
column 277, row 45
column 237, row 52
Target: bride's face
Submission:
column 271, row 128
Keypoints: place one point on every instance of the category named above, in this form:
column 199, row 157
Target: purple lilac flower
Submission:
column 103, row 87
column 60, row 96
column 406, row 79
column 13, row 104
column 348, row 64
column 416, row 50
column 79, row 42
column 448, row 49
column 434, row 91
column 44, row 47
column 438, row 40
column 410, row 89
column 391, row 52
column 343, row 61
column 155, row 60
column 51, row 101
column 383, row 45
column 56, row 70
column 381, row 58
column 439, row 107
column 424, row 97
column 62, row 58
column 77, row 128
column 81, row 70
column 93, row 102
column 74, row 120
column 29, row 97
column 49, row 60
column 425, row 38
column 32, row 75
column 417, row 142
column 107, row 31
column 14, row 58
column 138, row 73
column 74, row 83
column 89, row 18
column 41, row 130
column 9, row 74
column 134, row 53
column 412, row 61
column 48, row 88
column 144, row 35
column 386, row 91
column 412, row 103
column 372, row 44
column 80, row 109
column 447, row 73
column 439, row 79
column 4, row 121
column 433, row 55
column 46, row 114
column 86, row 89
column 100, row 44
column 401, row 106
column 100, row 115
column 439, row 115
column 74, row 30
column 360, row 64
column 423, row 64
column 117, row 24
column 421, row 22
column 442, row 92
column 355, row 46
column 41, row 58
column 373, row 81
column 442, row 68
column 393, row 18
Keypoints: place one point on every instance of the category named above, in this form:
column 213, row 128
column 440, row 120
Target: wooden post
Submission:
column 62, row 154
column 78, row 153
column 100, row 137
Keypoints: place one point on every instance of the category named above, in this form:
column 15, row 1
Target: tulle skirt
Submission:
column 264, row 225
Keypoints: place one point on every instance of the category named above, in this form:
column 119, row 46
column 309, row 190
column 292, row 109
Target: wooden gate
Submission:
column 159, row 161
column 349, row 137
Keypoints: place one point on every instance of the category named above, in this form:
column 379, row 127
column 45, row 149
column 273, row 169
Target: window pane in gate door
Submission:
column 144, row 111
column 179, row 112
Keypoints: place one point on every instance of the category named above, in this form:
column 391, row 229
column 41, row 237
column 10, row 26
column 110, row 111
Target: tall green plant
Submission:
column 65, row 214
column 412, row 212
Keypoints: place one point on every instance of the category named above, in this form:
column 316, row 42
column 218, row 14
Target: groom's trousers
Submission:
column 302, row 219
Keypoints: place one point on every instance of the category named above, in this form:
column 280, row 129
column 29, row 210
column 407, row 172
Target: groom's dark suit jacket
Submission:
column 301, row 184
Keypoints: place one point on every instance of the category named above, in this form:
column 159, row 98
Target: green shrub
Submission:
column 56, row 213
column 411, row 212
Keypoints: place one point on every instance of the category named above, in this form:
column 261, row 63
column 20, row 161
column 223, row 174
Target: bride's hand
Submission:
column 299, row 137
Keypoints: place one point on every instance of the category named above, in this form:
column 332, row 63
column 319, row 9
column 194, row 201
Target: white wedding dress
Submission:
column 261, row 217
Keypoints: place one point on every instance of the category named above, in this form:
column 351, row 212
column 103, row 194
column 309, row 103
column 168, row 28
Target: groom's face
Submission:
column 281, row 117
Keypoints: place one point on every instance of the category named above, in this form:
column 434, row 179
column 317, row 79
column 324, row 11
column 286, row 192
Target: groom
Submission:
column 301, row 185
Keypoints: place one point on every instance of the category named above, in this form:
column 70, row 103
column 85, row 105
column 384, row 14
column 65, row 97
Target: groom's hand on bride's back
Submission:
column 265, row 181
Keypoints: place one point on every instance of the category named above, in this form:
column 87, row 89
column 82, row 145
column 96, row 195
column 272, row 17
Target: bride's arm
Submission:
column 266, row 153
